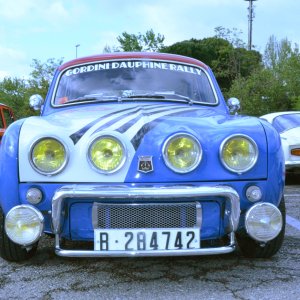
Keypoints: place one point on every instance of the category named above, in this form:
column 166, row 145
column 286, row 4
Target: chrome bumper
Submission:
column 121, row 192
column 292, row 164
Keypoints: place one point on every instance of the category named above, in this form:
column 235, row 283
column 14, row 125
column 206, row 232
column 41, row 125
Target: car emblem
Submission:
column 145, row 164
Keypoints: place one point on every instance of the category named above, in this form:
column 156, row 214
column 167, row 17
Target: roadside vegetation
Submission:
column 263, row 82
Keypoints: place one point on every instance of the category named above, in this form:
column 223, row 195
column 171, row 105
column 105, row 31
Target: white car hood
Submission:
column 64, row 125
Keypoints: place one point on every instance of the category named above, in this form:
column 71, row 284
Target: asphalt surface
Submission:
column 47, row 276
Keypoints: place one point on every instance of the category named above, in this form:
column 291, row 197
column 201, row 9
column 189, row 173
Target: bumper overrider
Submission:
column 100, row 193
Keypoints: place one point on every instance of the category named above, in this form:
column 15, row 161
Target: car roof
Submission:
column 270, row 117
column 134, row 55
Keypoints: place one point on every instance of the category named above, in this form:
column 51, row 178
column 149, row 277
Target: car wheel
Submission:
column 251, row 248
column 11, row 251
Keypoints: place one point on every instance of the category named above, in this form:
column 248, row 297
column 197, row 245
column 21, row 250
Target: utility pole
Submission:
column 250, row 19
column 76, row 46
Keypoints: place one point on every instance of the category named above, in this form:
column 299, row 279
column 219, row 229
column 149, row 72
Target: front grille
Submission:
column 153, row 215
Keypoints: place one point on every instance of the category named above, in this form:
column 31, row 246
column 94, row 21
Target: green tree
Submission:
column 226, row 61
column 233, row 36
column 296, row 103
column 276, row 87
column 284, row 61
column 260, row 93
column 13, row 91
column 42, row 74
column 140, row 42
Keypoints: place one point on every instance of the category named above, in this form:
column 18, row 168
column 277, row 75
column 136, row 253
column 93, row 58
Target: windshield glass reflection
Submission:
column 121, row 80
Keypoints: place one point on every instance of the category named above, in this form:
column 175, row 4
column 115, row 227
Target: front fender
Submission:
column 9, row 169
column 276, row 164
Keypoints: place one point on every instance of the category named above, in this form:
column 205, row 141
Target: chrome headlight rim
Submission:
column 122, row 162
column 61, row 168
column 254, row 161
column 40, row 219
column 165, row 156
column 247, row 225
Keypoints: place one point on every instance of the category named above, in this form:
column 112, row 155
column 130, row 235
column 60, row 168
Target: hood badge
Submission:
column 145, row 164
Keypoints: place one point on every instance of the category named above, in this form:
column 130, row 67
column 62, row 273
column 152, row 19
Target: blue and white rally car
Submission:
column 137, row 154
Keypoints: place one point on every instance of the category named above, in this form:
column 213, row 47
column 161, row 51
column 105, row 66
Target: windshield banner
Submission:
column 132, row 65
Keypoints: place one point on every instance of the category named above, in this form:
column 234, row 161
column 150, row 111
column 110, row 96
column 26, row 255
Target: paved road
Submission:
column 47, row 276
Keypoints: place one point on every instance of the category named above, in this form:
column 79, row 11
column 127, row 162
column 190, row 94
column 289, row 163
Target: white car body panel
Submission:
column 64, row 125
column 290, row 139
column 35, row 128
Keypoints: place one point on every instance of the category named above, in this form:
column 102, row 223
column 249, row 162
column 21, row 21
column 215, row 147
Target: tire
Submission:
column 253, row 249
column 11, row 251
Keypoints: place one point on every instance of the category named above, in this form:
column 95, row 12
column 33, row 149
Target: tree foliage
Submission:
column 141, row 42
column 233, row 36
column 226, row 61
column 284, row 61
column 15, row 92
column 276, row 87
column 260, row 93
column 42, row 74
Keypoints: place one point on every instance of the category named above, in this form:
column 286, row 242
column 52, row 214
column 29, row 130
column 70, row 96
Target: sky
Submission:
column 44, row 29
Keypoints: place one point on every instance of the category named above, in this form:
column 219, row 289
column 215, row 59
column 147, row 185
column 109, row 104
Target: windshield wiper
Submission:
column 188, row 99
column 139, row 96
column 169, row 96
column 159, row 95
column 179, row 96
column 93, row 98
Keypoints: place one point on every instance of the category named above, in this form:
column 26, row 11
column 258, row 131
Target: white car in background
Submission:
column 288, row 125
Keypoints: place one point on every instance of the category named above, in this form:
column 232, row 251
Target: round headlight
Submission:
column 48, row 156
column 263, row 221
column 24, row 225
column 239, row 153
column 107, row 154
column 182, row 153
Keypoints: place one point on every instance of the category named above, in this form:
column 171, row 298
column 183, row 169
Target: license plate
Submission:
column 146, row 239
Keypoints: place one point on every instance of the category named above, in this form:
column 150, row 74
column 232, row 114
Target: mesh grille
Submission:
column 131, row 216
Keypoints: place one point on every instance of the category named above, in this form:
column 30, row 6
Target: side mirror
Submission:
column 36, row 102
column 233, row 105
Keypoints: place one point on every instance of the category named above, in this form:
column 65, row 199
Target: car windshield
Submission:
column 134, row 80
column 286, row 122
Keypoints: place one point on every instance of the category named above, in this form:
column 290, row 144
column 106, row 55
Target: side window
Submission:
column 7, row 116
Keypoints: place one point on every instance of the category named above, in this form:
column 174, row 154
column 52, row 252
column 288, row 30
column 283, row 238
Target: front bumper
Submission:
column 101, row 193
